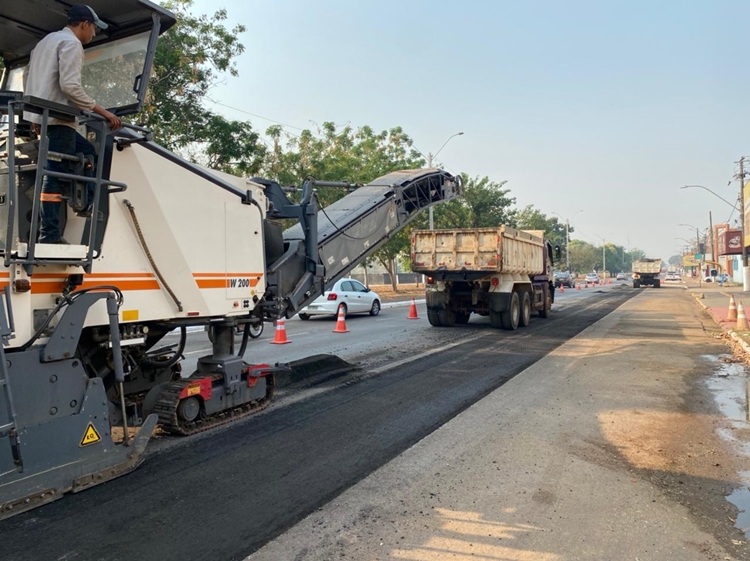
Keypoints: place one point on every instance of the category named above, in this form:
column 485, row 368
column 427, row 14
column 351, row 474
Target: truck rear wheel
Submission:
column 525, row 317
column 636, row 284
column 512, row 316
column 547, row 309
column 441, row 317
column 462, row 317
column 657, row 283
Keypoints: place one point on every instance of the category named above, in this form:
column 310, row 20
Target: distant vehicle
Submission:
column 564, row 279
column 349, row 295
column 646, row 273
column 622, row 277
column 592, row 278
column 672, row 276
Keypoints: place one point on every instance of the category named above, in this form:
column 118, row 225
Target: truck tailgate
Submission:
column 486, row 250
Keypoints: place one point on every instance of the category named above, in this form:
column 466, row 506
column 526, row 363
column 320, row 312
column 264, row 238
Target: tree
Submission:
column 344, row 154
column 675, row 261
column 190, row 59
column 584, row 256
column 485, row 204
column 531, row 218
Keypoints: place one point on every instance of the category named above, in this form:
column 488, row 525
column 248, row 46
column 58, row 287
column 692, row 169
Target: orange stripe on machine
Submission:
column 227, row 280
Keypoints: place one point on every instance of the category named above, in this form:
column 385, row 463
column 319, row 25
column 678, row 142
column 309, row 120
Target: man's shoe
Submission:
column 85, row 213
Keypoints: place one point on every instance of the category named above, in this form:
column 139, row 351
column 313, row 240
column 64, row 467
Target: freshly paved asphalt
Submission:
column 226, row 493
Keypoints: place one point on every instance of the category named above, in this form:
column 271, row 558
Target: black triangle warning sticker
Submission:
column 90, row 436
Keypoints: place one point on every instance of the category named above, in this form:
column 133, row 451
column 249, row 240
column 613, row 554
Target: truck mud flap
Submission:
column 499, row 301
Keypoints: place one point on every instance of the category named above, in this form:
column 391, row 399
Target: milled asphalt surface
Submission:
column 605, row 449
column 225, row 494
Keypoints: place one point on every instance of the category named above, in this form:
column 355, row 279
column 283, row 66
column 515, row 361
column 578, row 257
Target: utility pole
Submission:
column 567, row 244
column 745, row 270
column 429, row 210
column 714, row 256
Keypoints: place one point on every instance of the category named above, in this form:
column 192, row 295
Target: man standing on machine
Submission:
column 54, row 74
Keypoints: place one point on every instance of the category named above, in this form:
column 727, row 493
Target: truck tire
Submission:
column 547, row 310
column 657, row 283
column 462, row 317
column 512, row 315
column 441, row 317
column 525, row 316
column 433, row 318
column 636, row 284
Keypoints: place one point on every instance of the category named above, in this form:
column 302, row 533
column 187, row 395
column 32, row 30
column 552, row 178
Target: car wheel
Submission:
column 375, row 310
column 304, row 317
column 256, row 330
column 342, row 308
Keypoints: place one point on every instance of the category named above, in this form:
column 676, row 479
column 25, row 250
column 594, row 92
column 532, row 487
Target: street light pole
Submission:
column 745, row 269
column 567, row 238
column 429, row 165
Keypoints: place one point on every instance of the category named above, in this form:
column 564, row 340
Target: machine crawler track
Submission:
column 169, row 399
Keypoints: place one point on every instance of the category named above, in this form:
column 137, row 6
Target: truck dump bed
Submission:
column 647, row 266
column 471, row 253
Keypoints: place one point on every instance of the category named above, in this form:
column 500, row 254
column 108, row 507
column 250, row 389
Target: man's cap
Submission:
column 82, row 12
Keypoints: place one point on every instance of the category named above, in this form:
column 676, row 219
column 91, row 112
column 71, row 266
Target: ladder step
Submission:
column 6, row 427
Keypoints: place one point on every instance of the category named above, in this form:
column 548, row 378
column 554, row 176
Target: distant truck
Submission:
column 498, row 272
column 646, row 273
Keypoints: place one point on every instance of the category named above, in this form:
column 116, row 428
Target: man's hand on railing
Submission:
column 114, row 121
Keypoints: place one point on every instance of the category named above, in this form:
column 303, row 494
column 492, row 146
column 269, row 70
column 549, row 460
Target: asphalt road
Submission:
column 223, row 494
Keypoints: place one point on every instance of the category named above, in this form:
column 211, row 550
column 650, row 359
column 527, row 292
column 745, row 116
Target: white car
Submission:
column 348, row 294
column 672, row 276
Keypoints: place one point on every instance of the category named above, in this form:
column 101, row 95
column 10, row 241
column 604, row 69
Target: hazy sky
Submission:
column 606, row 107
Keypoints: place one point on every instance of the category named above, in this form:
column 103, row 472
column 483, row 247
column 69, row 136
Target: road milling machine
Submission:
column 167, row 245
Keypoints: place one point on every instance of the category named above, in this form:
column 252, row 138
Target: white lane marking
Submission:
column 398, row 363
column 387, row 319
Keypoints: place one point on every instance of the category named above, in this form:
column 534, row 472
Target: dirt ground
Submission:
column 405, row 292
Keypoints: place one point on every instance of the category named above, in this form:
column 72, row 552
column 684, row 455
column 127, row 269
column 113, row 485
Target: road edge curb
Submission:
column 732, row 333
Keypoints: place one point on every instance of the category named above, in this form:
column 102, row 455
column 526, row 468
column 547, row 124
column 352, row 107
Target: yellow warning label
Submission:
column 129, row 315
column 193, row 390
column 90, row 436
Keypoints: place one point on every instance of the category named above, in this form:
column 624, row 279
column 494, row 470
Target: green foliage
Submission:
column 191, row 58
column 485, row 204
column 343, row 154
column 586, row 257
column 675, row 261
column 531, row 218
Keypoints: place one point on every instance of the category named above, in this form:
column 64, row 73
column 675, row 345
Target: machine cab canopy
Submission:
column 117, row 62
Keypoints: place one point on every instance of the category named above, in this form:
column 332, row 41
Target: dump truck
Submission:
column 646, row 273
column 168, row 245
column 501, row 272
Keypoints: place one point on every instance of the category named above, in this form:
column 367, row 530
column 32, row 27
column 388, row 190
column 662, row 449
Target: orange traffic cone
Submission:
column 562, row 289
column 341, row 322
column 413, row 310
column 578, row 286
column 280, row 338
column 732, row 313
column 741, row 318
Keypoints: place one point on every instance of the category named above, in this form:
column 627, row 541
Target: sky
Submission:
column 597, row 111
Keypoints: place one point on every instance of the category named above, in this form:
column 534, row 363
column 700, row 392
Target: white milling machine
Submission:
column 172, row 245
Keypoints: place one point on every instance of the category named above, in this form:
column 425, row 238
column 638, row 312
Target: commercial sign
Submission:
column 730, row 242
column 689, row 261
column 746, row 208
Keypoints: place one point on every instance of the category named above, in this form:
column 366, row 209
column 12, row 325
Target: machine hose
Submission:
column 150, row 258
